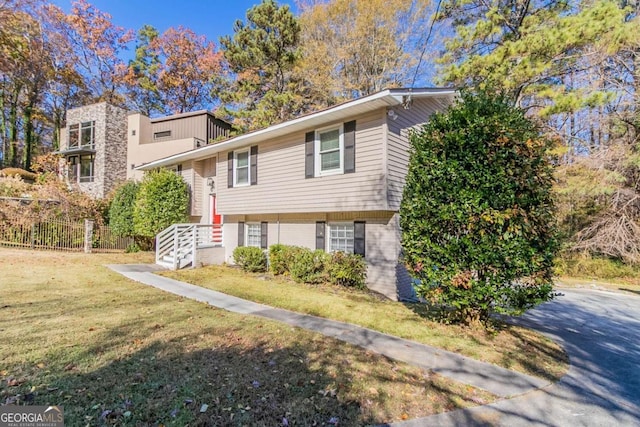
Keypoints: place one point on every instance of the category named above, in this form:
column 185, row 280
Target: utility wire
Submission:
column 426, row 42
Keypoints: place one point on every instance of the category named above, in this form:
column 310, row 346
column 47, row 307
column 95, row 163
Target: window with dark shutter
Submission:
column 320, row 232
column 230, row 169
column 240, row 233
column 309, row 166
column 359, row 238
column 350, row 147
column 254, row 165
column 263, row 235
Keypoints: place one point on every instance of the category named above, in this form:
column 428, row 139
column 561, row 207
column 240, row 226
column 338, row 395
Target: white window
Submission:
column 241, row 170
column 341, row 237
column 254, row 235
column 329, row 149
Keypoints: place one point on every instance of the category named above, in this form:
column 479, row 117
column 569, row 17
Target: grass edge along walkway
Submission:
column 497, row 380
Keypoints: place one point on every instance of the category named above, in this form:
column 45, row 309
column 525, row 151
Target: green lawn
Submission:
column 114, row 352
column 508, row 346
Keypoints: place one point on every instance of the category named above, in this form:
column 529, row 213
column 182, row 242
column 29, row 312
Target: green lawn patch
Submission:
column 115, row 352
column 512, row 347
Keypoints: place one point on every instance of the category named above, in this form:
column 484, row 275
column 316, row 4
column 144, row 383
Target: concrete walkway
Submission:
column 499, row 381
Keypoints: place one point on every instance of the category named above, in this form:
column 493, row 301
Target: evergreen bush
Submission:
column 250, row 259
column 162, row 200
column 309, row 266
column 347, row 270
column 476, row 214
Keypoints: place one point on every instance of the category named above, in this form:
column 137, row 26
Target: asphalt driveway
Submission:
column 601, row 333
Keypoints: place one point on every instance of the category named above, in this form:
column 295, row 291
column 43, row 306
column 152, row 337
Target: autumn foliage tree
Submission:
column 476, row 213
column 173, row 72
column 355, row 48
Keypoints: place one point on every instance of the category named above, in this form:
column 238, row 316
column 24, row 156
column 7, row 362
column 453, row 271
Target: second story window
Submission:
column 242, row 167
column 82, row 135
column 162, row 134
column 330, row 151
column 87, row 134
column 241, row 170
column 74, row 135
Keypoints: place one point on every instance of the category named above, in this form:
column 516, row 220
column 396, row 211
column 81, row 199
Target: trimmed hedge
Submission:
column 307, row 266
column 347, row 270
column 310, row 266
column 250, row 259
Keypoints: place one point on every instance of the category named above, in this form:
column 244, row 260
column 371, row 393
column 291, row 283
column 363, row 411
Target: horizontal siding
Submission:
column 198, row 187
column 398, row 144
column 382, row 240
column 282, row 186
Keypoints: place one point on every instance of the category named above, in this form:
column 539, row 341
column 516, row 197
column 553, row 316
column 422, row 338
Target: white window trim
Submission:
column 235, row 168
column 328, row 234
column 317, row 159
column 248, row 225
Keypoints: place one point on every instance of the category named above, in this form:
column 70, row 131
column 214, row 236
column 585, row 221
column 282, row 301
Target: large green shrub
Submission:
column 121, row 209
column 476, row 214
column 250, row 258
column 347, row 270
column 309, row 266
column 162, row 200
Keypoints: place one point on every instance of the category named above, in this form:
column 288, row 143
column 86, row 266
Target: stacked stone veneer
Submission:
column 110, row 163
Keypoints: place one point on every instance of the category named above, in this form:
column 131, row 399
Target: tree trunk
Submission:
column 28, row 136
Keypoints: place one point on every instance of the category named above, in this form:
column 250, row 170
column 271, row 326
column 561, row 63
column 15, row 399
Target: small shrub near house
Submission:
column 310, row 266
column 277, row 262
column 250, row 259
column 347, row 270
column 281, row 258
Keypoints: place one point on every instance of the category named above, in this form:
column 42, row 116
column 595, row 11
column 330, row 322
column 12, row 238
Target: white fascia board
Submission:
column 388, row 98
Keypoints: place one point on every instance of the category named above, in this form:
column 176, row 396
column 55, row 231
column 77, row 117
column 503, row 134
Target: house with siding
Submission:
column 102, row 144
column 329, row 180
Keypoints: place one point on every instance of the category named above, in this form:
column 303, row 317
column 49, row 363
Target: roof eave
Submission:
column 388, row 97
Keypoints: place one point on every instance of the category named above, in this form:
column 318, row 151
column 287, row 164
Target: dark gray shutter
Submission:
column 350, row 147
column 320, row 231
column 309, row 143
column 240, row 233
column 263, row 235
column 230, row 169
column 359, row 238
column 254, row 165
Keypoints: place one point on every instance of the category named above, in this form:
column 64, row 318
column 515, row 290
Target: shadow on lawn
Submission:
column 167, row 383
column 526, row 345
column 242, row 382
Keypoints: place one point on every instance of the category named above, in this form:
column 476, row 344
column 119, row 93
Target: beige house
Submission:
column 329, row 180
column 102, row 144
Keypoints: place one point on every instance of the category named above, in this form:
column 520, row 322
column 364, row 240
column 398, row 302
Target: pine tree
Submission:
column 261, row 55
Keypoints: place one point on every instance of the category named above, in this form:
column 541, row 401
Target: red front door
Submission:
column 216, row 220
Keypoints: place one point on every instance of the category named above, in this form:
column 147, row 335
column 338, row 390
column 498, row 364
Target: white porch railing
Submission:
column 177, row 245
